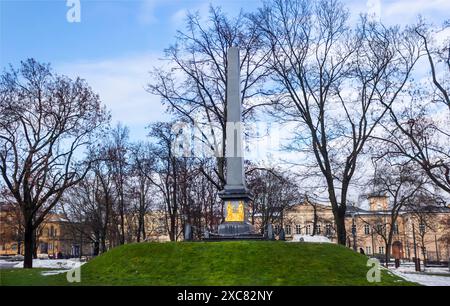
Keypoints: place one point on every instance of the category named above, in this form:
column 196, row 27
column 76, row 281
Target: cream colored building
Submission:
column 431, row 228
column 55, row 237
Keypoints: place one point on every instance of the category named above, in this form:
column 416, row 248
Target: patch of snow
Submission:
column 308, row 238
column 53, row 272
column 409, row 268
column 422, row 278
column 6, row 264
column 11, row 258
column 66, row 264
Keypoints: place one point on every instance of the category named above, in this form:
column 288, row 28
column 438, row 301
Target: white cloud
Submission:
column 121, row 84
column 406, row 10
column 442, row 36
column 399, row 11
column 147, row 11
column 178, row 17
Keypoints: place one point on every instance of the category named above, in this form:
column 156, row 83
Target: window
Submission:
column 50, row 246
column 379, row 227
column 367, row 229
column 368, row 250
column 395, row 228
column 56, row 233
column 287, row 229
column 328, row 230
column 381, row 250
column 277, row 228
column 52, row 230
column 298, row 229
column 44, row 247
column 308, row 229
column 422, row 228
column 318, row 231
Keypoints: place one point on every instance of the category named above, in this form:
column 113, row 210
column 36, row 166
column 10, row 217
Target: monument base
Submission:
column 235, row 226
column 235, row 231
column 214, row 238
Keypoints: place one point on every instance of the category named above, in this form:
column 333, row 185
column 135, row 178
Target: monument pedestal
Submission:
column 236, row 225
column 235, row 229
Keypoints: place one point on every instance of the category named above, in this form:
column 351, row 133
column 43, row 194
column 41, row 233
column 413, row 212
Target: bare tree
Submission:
column 118, row 159
column 314, row 205
column 438, row 56
column 87, row 211
column 167, row 175
column 331, row 81
column 46, row 120
column 419, row 129
column 274, row 191
column 417, row 136
column 205, row 194
column 142, row 164
column 195, row 86
column 403, row 185
column 424, row 210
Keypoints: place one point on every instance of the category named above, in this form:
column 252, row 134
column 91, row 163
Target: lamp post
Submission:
column 422, row 247
column 416, row 264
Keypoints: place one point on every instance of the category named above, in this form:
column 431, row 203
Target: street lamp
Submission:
column 416, row 262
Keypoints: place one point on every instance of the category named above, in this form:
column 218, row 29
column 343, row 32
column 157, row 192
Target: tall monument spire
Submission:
column 235, row 195
column 234, row 152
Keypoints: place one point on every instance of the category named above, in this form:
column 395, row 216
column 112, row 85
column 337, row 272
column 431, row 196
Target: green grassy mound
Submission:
column 217, row 263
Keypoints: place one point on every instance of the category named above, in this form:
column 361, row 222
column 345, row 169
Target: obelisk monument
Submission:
column 235, row 195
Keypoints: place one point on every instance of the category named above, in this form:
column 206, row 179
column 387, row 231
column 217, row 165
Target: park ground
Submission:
column 252, row 263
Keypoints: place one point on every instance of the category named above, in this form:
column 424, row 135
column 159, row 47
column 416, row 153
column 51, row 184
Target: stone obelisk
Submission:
column 235, row 195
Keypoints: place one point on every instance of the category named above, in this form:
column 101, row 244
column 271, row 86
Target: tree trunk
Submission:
column 122, row 221
column 387, row 255
column 103, row 243
column 340, row 227
column 143, row 227
column 173, row 216
column 28, row 244
column 173, row 235
column 138, row 236
column 315, row 220
column 390, row 237
column 96, row 248
column 140, row 228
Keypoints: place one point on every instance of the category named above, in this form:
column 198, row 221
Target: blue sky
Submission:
column 117, row 41
column 108, row 28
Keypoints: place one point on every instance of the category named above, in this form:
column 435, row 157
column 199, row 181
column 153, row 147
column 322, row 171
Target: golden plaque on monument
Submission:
column 235, row 215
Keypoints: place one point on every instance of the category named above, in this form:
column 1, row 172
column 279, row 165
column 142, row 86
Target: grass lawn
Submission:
column 216, row 263
column 26, row 277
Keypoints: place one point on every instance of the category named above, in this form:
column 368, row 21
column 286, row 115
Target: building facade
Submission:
column 56, row 237
column 368, row 230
